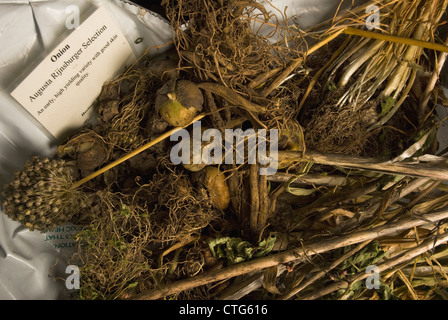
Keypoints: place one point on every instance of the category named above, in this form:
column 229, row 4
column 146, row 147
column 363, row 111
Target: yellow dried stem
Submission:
column 133, row 153
column 396, row 39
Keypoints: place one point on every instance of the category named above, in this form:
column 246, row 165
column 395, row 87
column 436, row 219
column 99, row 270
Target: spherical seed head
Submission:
column 40, row 197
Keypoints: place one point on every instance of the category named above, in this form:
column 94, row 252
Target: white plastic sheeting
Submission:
column 28, row 29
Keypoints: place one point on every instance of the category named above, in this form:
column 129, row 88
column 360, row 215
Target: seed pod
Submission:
column 33, row 200
column 178, row 102
column 216, row 184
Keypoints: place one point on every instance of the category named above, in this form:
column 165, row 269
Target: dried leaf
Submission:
column 236, row 250
column 386, row 105
column 430, row 205
column 300, row 191
column 265, row 246
column 367, row 256
column 412, row 150
column 270, row 280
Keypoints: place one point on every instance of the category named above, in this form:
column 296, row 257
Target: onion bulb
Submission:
column 178, row 102
column 218, row 189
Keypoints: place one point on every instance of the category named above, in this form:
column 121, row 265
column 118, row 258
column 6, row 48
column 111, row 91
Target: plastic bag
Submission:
column 30, row 260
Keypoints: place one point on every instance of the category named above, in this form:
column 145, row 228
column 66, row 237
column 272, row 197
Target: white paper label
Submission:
column 60, row 91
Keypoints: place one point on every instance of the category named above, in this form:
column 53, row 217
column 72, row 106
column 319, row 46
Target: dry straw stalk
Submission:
column 297, row 254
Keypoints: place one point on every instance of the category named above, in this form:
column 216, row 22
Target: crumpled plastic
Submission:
column 30, row 260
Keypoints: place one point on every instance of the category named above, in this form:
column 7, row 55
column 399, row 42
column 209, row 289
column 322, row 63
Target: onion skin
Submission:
column 173, row 112
column 216, row 184
column 178, row 102
column 194, row 167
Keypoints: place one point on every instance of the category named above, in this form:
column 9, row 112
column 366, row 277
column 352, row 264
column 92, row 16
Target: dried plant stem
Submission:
column 133, row 153
column 396, row 105
column 231, row 96
column 320, row 274
column 331, row 199
column 431, row 84
column 300, row 253
column 254, row 197
column 396, row 39
column 311, row 179
column 264, row 202
column 296, row 63
column 406, row 256
column 261, row 79
column 424, row 193
column 369, row 52
column 411, row 54
column 320, row 72
column 242, row 288
column 434, row 171
column 355, row 222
